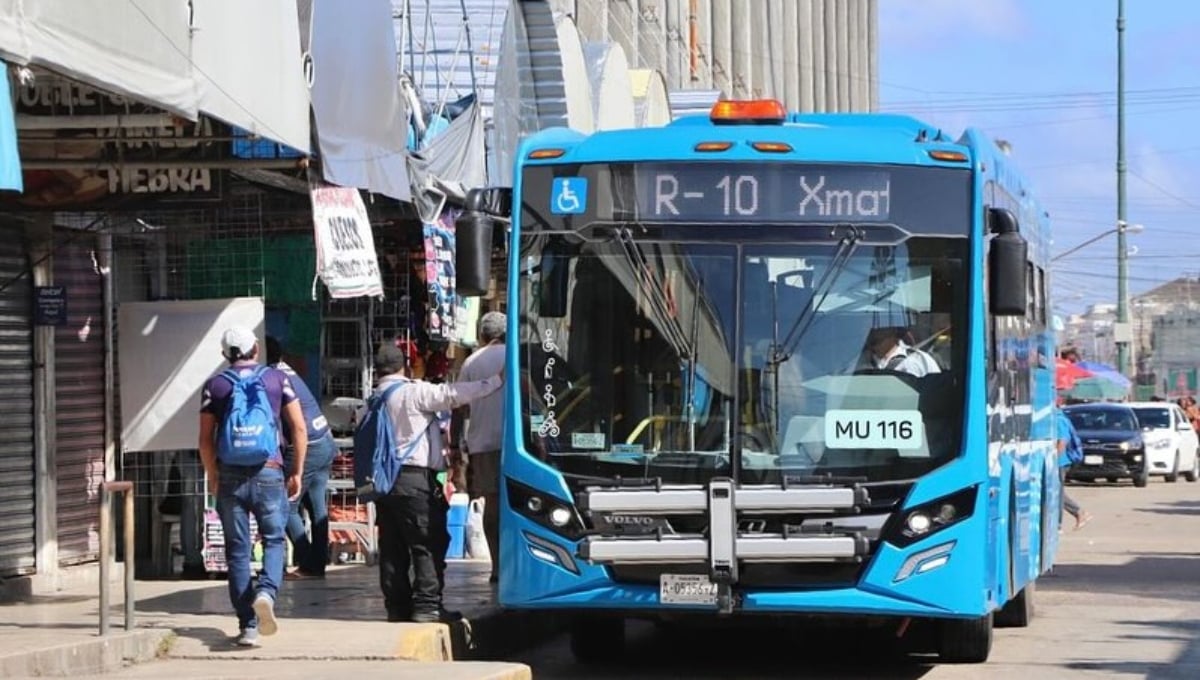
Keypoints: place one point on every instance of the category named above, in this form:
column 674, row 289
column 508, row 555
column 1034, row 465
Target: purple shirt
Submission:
column 214, row 398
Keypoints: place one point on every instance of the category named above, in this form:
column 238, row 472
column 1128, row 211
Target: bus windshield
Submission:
column 684, row 352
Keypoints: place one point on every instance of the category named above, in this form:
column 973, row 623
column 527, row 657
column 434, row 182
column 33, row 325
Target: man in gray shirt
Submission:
column 412, row 518
column 484, row 427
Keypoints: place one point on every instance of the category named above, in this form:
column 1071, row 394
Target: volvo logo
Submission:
column 632, row 524
column 632, row 520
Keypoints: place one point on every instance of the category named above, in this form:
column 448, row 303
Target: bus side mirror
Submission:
column 1007, row 258
column 474, row 236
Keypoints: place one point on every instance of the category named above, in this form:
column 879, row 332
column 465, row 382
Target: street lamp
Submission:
column 1121, row 331
column 1121, row 228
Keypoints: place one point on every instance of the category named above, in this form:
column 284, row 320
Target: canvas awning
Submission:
column 236, row 61
column 362, row 121
column 451, row 163
column 10, row 162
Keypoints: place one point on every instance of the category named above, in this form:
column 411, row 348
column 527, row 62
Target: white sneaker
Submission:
column 247, row 638
column 264, row 609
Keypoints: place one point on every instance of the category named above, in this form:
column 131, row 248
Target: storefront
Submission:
column 17, row 540
column 79, row 396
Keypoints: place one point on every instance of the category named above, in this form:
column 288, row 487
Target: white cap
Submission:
column 238, row 340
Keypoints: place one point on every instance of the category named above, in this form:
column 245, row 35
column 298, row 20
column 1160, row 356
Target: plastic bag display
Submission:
column 477, row 547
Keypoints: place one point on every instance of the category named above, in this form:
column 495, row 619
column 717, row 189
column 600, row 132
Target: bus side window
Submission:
column 1043, row 313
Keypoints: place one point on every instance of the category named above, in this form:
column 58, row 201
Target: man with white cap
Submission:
column 244, row 465
column 484, row 427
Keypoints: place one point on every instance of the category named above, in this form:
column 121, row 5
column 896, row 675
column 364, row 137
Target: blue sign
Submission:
column 568, row 196
column 50, row 305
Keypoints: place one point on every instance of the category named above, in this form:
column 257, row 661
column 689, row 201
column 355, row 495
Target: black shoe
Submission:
column 436, row 616
column 493, row 578
column 194, row 573
column 399, row 617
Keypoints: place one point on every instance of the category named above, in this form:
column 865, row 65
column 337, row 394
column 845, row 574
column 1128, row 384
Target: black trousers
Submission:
column 412, row 534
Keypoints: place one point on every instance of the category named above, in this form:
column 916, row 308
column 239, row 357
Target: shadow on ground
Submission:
column 1175, row 508
column 1167, row 576
column 1186, row 665
column 791, row 652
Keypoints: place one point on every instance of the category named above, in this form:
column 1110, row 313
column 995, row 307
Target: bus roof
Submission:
column 835, row 137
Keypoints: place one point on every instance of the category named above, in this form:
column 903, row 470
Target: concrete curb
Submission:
column 501, row 633
column 98, row 655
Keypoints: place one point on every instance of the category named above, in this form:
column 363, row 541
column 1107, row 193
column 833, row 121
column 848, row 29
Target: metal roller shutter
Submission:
column 79, row 400
column 17, row 544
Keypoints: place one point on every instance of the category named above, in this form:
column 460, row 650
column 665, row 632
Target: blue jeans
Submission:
column 312, row 556
column 259, row 491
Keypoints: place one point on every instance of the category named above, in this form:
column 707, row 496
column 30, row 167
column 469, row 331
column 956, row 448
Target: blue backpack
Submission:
column 376, row 463
column 249, row 434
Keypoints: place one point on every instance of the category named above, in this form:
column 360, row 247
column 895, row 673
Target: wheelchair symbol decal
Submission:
column 568, row 196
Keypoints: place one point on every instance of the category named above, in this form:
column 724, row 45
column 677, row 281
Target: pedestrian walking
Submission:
column 241, row 422
column 412, row 517
column 479, row 427
column 1070, row 450
column 309, row 555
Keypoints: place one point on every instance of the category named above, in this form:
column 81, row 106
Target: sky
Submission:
column 1042, row 75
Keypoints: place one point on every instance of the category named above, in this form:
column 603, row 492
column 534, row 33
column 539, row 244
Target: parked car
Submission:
column 1171, row 441
column 1113, row 443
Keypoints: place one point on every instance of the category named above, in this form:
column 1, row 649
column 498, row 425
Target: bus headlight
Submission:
column 919, row 523
column 560, row 517
column 548, row 511
column 911, row 525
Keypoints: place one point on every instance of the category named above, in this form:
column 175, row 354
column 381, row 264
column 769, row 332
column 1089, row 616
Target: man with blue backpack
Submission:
column 398, row 453
column 1070, row 450
column 241, row 446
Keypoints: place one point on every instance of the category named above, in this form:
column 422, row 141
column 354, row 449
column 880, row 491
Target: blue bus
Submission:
column 773, row 364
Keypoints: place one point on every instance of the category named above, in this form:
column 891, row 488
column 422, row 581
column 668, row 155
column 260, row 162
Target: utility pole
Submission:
column 1122, row 331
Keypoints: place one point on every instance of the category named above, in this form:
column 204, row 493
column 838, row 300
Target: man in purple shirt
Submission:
column 257, row 490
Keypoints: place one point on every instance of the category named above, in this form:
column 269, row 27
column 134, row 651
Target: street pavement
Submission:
column 329, row 628
column 1121, row 603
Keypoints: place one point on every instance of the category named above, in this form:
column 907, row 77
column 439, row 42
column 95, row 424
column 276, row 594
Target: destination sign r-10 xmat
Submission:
column 764, row 192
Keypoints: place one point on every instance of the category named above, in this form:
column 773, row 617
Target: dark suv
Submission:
column 1112, row 443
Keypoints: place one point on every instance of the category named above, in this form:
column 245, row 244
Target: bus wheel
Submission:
column 965, row 640
column 595, row 639
column 1019, row 610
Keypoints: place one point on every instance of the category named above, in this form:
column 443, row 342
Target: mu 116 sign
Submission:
column 764, row 192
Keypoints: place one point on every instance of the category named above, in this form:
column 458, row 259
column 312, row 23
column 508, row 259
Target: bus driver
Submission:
column 889, row 352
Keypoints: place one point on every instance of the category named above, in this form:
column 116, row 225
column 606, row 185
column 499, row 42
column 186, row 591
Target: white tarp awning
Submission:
column 249, row 68
column 362, row 121
column 236, row 61
column 451, row 164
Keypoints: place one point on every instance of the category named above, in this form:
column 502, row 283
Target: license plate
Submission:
column 1093, row 460
column 686, row 589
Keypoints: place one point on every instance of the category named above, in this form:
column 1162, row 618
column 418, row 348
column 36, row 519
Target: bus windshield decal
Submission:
column 763, row 192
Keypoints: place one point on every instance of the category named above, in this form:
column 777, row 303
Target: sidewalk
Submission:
column 340, row 618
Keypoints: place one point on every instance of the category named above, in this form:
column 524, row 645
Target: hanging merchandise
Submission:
column 445, row 306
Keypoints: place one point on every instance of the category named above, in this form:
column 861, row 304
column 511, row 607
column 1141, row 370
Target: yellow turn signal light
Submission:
column 539, row 154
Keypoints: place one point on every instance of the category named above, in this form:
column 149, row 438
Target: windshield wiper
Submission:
column 781, row 352
column 644, row 276
column 846, row 246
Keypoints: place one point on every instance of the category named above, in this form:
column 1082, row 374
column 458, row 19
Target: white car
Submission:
column 1171, row 441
